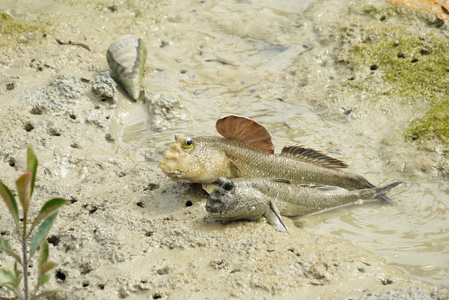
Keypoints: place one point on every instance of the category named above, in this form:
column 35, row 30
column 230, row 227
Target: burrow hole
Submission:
column 28, row 126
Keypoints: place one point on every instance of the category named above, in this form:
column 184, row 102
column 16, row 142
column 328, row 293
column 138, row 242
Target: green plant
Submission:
column 45, row 218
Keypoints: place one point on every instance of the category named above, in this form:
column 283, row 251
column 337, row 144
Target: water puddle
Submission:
column 412, row 235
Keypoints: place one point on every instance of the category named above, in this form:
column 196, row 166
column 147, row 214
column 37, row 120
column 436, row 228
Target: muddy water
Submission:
column 241, row 57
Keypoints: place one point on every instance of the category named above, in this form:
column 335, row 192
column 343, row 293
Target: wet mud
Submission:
column 130, row 232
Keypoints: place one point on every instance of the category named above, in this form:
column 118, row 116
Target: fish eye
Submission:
column 188, row 142
column 176, row 137
column 229, row 185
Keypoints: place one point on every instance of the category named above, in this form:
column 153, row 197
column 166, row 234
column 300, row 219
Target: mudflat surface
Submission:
column 130, row 232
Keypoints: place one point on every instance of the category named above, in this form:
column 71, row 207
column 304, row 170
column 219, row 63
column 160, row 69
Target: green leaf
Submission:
column 24, row 189
column 47, row 266
column 8, row 279
column 18, row 274
column 45, row 294
column 5, row 246
column 31, row 166
column 42, row 232
column 45, row 278
column 49, row 207
column 10, row 203
column 7, row 276
column 43, row 254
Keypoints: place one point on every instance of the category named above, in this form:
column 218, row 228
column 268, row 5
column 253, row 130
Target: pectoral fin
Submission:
column 274, row 218
column 209, row 187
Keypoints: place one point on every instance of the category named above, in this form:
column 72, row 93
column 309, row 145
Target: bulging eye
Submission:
column 187, row 143
column 176, row 137
column 229, row 185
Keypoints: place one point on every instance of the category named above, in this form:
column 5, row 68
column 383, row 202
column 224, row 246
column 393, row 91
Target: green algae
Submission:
column 413, row 67
column 11, row 29
column 434, row 126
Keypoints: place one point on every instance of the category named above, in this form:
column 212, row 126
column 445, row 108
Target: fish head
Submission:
column 232, row 201
column 194, row 160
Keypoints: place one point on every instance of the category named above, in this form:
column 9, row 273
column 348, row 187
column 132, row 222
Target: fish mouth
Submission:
column 171, row 173
column 175, row 173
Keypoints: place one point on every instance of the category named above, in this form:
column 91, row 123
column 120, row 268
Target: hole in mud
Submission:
column 54, row 240
column 189, row 203
column 94, row 209
column 74, row 145
column 149, row 233
column 140, row 204
column 424, row 52
column 151, row 187
column 383, row 18
column 86, row 270
column 12, row 162
column 72, row 116
column 183, row 71
column 60, row 276
column 414, row 60
column 401, row 55
column 101, row 286
column 36, row 111
column 157, row 296
column 73, row 200
column 85, row 283
column 28, row 127
column 53, row 132
column 374, row 67
column 2, row 233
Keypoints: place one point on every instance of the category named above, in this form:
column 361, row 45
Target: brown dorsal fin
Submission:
column 246, row 131
column 313, row 156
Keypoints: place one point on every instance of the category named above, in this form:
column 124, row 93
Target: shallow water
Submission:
column 242, row 64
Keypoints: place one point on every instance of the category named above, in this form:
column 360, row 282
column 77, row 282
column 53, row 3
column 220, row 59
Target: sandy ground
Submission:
column 130, row 232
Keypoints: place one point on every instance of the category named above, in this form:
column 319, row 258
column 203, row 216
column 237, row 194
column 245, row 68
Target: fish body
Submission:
column 251, row 154
column 252, row 198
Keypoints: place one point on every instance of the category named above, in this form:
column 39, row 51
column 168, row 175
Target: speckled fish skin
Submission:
column 126, row 57
column 211, row 157
column 251, row 198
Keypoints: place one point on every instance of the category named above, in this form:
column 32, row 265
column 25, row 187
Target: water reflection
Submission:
column 412, row 235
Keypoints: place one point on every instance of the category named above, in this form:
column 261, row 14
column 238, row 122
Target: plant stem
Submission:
column 25, row 266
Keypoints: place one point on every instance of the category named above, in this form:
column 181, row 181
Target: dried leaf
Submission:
column 10, row 203
column 47, row 266
column 439, row 8
column 24, row 190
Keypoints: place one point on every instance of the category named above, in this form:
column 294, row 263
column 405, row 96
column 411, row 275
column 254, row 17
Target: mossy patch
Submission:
column 414, row 68
column 12, row 29
column 433, row 126
column 408, row 64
